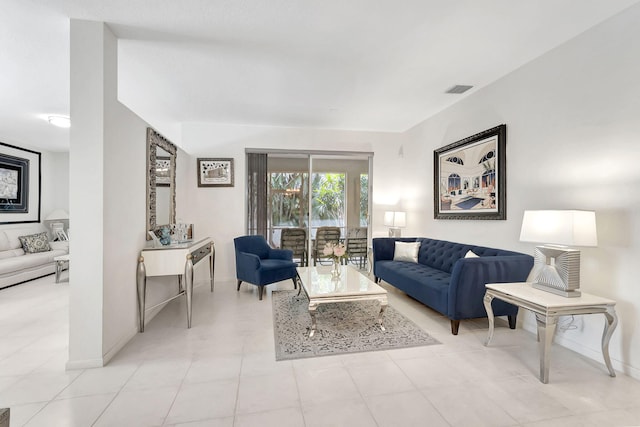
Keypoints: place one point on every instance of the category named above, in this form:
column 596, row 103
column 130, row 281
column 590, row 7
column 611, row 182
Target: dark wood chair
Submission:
column 295, row 239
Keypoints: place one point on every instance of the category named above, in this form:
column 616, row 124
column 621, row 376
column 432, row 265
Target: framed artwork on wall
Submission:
column 470, row 179
column 215, row 172
column 19, row 185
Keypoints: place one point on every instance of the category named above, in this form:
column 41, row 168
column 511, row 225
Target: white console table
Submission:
column 177, row 259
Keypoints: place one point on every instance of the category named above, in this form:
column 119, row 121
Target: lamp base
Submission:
column 395, row 232
column 547, row 288
column 557, row 270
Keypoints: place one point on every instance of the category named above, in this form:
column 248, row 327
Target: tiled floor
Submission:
column 222, row 372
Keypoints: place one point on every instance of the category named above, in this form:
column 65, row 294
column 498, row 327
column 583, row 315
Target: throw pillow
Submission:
column 34, row 243
column 406, row 251
column 471, row 254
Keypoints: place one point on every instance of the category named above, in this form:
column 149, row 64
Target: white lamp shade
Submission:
column 561, row 227
column 57, row 215
column 395, row 219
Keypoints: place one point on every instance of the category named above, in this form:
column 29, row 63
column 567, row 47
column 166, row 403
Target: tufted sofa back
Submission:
column 442, row 255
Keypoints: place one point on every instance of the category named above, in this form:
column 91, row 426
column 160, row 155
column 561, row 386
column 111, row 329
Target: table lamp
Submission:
column 395, row 220
column 57, row 227
column 556, row 265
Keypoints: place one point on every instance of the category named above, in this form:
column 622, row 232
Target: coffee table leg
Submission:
column 312, row 311
column 383, row 307
column 609, row 327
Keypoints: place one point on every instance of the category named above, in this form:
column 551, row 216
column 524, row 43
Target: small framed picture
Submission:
column 215, row 172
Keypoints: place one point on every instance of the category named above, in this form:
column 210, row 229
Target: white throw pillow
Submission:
column 471, row 254
column 406, row 251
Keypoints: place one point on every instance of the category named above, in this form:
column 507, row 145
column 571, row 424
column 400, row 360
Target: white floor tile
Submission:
column 72, row 412
column 288, row 417
column 267, row 392
column 380, row 378
column 202, row 401
column 466, row 405
column 405, row 409
column 222, row 372
column 345, row 412
column 325, row 385
column 214, row 422
column 138, row 408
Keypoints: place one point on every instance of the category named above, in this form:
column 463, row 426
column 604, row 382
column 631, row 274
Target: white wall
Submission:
column 108, row 203
column 219, row 212
column 572, row 143
column 55, row 182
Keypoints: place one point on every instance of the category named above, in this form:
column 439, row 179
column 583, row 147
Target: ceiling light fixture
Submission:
column 60, row 121
column 458, row 89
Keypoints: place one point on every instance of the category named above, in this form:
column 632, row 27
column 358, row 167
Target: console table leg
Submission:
column 188, row 278
column 546, row 330
column 609, row 327
column 141, row 284
column 487, row 306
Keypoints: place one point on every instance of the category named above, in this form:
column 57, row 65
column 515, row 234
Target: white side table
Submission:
column 61, row 261
column 548, row 307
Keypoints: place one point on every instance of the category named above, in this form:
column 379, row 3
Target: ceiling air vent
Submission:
column 458, row 89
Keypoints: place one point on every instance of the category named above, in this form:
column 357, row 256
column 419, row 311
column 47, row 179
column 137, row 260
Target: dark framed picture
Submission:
column 163, row 171
column 470, row 179
column 215, row 172
column 19, row 185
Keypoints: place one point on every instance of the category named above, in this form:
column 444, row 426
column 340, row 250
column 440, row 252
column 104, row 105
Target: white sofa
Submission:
column 16, row 266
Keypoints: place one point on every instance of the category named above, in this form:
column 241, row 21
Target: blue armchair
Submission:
column 261, row 265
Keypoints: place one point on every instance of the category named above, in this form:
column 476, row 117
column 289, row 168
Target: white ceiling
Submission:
column 343, row 64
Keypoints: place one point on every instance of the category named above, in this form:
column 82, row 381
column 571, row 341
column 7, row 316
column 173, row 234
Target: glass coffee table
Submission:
column 321, row 288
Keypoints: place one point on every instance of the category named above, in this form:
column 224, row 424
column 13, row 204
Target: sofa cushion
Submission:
column 16, row 264
column 428, row 285
column 35, row 243
column 471, row 254
column 12, row 236
column 11, row 253
column 406, row 251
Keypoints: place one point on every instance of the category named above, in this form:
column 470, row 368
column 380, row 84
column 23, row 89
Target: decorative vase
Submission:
column 336, row 269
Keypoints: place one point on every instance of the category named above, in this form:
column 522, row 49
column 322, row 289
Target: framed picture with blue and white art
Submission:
column 19, row 185
column 470, row 179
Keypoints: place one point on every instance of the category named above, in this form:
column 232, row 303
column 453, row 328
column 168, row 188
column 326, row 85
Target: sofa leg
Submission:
column 260, row 291
column 376, row 279
column 512, row 321
column 239, row 281
column 455, row 325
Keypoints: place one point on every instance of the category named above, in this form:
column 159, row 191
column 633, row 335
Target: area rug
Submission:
column 346, row 327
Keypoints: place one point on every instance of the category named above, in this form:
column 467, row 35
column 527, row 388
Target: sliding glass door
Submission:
column 309, row 190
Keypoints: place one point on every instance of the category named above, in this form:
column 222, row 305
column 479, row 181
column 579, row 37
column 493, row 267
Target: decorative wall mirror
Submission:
column 161, row 181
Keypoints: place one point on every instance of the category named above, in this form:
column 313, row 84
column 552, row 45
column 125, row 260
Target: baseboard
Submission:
column 72, row 365
column 120, row 345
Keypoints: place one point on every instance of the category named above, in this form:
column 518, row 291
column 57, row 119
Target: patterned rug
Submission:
column 347, row 327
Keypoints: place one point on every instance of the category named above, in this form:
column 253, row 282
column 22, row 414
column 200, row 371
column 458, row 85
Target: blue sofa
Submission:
column 446, row 281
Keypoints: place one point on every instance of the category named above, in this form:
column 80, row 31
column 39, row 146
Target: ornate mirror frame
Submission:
column 155, row 140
